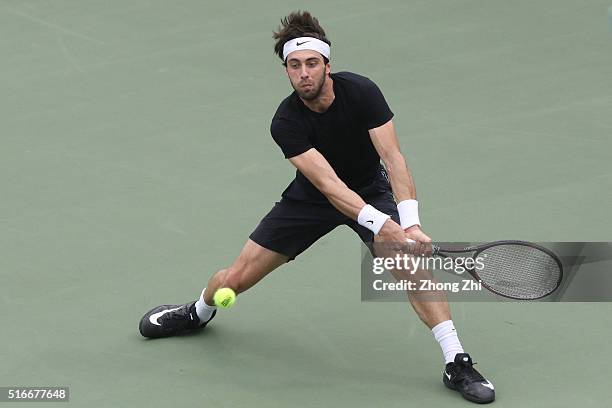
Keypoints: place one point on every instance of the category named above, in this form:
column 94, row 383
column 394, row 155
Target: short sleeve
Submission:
column 289, row 138
column 375, row 110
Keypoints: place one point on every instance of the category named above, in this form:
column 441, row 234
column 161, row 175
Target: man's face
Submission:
column 307, row 72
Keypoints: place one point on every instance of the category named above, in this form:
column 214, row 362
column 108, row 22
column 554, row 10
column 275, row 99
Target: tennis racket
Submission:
column 512, row 269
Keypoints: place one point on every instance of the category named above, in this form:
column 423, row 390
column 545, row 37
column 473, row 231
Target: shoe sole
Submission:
column 470, row 398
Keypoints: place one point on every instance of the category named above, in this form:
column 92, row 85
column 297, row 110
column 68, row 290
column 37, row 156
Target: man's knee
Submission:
column 217, row 279
column 231, row 277
column 253, row 263
column 239, row 275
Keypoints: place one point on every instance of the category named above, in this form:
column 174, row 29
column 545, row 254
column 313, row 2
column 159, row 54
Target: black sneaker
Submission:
column 461, row 376
column 170, row 320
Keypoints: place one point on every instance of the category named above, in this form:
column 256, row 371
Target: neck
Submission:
column 325, row 98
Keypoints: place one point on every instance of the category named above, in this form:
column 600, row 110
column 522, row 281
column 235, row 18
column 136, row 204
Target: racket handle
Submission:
column 434, row 248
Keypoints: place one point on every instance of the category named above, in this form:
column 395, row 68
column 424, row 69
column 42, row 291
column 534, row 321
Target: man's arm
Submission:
column 319, row 172
column 385, row 141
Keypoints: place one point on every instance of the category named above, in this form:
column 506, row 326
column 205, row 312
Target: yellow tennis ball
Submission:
column 224, row 298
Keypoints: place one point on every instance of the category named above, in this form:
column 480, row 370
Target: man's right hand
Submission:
column 392, row 232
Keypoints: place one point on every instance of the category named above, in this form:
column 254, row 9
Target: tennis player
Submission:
column 335, row 128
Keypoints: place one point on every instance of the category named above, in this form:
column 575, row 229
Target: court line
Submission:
column 203, row 45
column 374, row 11
column 455, row 207
column 509, row 116
column 69, row 57
column 53, row 26
column 594, row 137
column 500, row 129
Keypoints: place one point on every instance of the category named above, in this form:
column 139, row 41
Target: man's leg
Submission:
column 285, row 232
column 253, row 263
column 433, row 309
column 431, row 306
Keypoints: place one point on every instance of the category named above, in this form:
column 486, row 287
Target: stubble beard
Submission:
column 314, row 92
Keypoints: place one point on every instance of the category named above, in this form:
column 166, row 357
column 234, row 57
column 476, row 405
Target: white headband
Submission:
column 305, row 43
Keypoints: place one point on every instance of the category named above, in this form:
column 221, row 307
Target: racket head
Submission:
column 518, row 269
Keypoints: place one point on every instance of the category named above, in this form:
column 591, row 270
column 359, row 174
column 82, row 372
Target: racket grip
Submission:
column 434, row 248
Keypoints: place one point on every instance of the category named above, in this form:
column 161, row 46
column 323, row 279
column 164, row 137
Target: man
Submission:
column 335, row 129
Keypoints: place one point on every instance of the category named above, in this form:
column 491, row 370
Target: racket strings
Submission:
column 519, row 271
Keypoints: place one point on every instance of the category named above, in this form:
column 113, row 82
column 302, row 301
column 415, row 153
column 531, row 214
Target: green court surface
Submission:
column 135, row 159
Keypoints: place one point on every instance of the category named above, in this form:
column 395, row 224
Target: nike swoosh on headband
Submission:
column 306, row 43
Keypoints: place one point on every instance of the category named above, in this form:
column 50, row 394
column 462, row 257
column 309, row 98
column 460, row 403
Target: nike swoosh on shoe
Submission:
column 155, row 316
column 488, row 385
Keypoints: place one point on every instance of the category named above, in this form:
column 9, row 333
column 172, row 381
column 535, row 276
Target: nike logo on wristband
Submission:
column 371, row 222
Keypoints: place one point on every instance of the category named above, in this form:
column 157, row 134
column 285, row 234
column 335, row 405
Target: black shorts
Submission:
column 292, row 226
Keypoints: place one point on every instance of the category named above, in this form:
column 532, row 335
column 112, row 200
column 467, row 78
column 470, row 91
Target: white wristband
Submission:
column 371, row 218
column 409, row 213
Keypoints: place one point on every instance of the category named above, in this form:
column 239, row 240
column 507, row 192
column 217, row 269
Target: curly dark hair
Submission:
column 295, row 25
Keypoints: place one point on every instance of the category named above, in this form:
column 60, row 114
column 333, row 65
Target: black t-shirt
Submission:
column 340, row 134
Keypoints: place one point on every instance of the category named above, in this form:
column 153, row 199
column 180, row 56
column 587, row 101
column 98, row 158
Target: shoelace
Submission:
column 179, row 315
column 466, row 372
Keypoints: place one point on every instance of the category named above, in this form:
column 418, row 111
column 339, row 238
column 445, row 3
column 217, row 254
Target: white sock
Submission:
column 203, row 310
column 446, row 336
